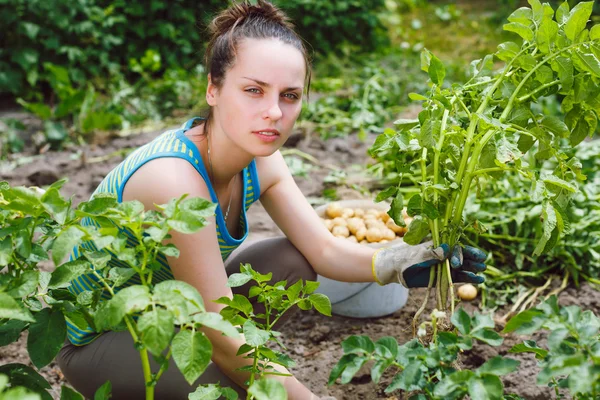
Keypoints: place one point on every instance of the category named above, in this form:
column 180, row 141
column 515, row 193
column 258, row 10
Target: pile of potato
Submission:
column 363, row 225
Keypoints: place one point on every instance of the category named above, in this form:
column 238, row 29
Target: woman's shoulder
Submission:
column 162, row 179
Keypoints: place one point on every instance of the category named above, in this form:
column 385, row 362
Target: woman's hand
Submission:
column 411, row 265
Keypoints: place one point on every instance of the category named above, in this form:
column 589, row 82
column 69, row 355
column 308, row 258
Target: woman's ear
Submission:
column 211, row 92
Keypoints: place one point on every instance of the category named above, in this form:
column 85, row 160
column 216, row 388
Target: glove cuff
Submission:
column 382, row 265
column 373, row 267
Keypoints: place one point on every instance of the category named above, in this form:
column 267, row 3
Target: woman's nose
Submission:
column 274, row 111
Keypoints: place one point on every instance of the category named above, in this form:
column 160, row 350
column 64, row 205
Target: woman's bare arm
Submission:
column 330, row 256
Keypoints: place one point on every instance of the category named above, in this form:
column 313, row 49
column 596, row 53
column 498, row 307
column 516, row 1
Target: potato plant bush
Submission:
column 470, row 133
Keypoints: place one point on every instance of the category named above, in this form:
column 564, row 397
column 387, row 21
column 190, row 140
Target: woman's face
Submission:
column 261, row 96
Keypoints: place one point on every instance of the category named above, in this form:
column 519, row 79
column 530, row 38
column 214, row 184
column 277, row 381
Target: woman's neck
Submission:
column 226, row 158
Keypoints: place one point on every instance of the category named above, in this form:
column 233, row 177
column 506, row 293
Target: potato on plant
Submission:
column 467, row 292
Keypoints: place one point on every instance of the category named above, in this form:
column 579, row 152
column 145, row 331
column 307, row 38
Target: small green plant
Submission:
column 40, row 225
column 258, row 328
column 430, row 371
column 570, row 361
column 571, row 357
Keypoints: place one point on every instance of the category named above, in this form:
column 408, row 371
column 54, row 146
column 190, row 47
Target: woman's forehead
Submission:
column 270, row 61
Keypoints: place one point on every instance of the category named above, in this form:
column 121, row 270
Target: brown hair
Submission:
column 244, row 20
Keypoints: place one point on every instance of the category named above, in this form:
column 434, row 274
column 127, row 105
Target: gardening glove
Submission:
column 411, row 265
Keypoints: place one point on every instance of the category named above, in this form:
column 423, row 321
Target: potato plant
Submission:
column 470, row 133
column 258, row 328
column 38, row 226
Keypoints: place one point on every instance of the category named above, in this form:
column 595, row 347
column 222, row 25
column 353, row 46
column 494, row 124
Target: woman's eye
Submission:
column 253, row 90
column 292, row 96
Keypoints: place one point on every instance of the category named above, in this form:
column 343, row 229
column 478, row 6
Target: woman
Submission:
column 258, row 70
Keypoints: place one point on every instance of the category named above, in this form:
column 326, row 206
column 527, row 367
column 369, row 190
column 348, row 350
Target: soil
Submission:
column 313, row 340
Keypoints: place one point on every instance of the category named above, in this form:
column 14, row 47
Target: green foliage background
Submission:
column 94, row 39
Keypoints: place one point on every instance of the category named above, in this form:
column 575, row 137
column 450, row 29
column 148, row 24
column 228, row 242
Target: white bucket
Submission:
column 362, row 300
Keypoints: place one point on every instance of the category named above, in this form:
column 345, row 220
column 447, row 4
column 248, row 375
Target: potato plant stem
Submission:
column 143, row 351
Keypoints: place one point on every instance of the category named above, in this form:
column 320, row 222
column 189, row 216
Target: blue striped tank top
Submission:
column 172, row 143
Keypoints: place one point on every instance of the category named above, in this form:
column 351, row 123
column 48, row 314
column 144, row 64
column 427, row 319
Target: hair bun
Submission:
column 238, row 13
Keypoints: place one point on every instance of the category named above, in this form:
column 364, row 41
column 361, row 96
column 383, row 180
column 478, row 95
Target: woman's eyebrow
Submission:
column 268, row 85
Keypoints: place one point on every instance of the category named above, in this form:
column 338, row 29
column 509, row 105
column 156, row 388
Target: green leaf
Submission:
column 562, row 13
column 462, row 321
column 409, row 379
column 5, row 251
column 55, row 131
column 395, row 211
column 39, row 109
column 129, row 300
column 268, row 389
column 507, row 51
column 525, row 322
column 206, row 392
column 254, row 336
column 66, row 393
column 529, row 346
column 46, row 336
column 10, row 331
column 387, row 347
column 24, row 285
column 338, row 369
column 10, row 309
column 555, row 125
column 405, row 124
column 523, row 15
column 522, row 30
column 436, row 71
column 550, row 180
column 156, row 329
column 447, row 387
column 179, row 297
column 321, row 303
column 488, row 336
column 385, row 194
column 487, row 387
column 22, row 375
column 310, row 287
column 118, row 275
column 64, row 274
column 236, row 280
column 578, row 18
column 191, row 352
column 417, row 230
column 550, row 220
column 564, row 67
column 103, row 392
column 589, row 62
column 358, row 345
column 595, row 32
column 216, row 321
column 546, row 35
column 64, row 243
column 498, row 366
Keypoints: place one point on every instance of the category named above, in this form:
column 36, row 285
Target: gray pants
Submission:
column 113, row 357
